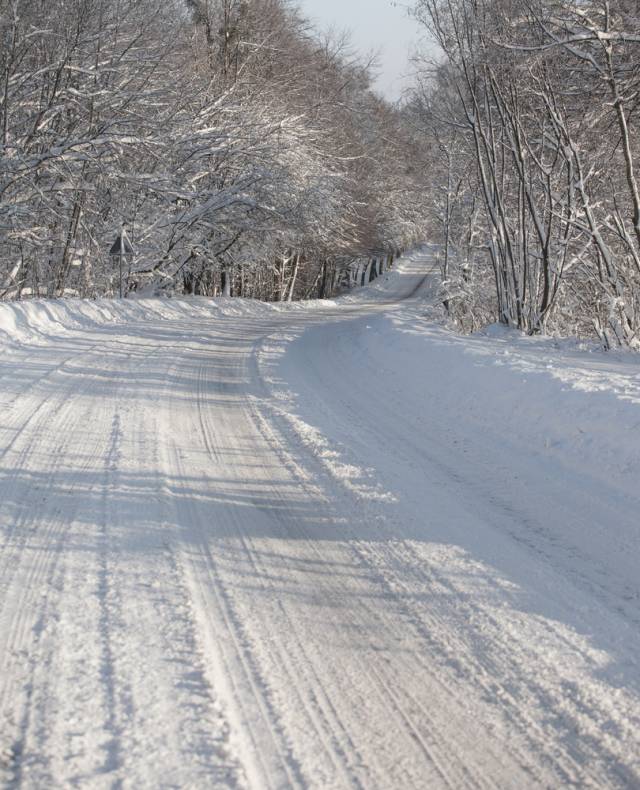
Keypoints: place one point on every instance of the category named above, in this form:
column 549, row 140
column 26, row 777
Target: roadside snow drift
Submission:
column 318, row 545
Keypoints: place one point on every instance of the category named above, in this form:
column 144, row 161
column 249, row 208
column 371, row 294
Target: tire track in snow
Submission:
column 352, row 759
column 252, row 676
column 72, row 635
column 37, row 586
column 162, row 705
column 321, row 712
column 437, row 752
column 257, row 674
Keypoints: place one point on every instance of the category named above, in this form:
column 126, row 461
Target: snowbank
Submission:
column 38, row 321
column 577, row 407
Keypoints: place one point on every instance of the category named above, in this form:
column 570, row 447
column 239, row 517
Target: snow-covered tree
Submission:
column 543, row 107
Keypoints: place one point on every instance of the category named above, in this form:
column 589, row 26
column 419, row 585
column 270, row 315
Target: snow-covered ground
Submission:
column 322, row 545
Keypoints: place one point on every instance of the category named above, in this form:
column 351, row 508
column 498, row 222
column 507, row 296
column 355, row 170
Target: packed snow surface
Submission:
column 325, row 545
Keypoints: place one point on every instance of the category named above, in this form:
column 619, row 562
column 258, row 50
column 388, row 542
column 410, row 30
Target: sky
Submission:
column 382, row 26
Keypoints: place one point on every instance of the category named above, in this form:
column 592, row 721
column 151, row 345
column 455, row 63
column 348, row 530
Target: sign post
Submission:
column 121, row 249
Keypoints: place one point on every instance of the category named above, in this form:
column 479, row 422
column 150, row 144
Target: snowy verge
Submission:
column 38, row 321
column 555, row 399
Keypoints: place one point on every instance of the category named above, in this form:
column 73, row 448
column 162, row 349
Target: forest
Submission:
column 531, row 116
column 241, row 151
column 244, row 152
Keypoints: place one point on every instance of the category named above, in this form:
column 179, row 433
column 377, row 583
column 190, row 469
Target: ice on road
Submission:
column 332, row 545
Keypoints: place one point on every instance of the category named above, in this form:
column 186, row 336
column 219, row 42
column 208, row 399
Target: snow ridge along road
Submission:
column 326, row 545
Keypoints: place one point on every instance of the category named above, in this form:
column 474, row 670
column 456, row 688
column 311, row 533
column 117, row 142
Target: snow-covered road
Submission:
column 326, row 547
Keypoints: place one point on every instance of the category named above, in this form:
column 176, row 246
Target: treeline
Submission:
column 532, row 123
column 242, row 152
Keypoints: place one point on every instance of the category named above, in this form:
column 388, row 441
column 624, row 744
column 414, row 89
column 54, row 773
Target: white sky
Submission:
column 376, row 25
